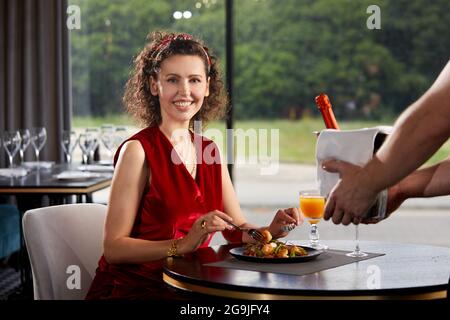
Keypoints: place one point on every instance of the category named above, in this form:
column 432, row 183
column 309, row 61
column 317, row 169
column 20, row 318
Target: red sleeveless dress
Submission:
column 172, row 203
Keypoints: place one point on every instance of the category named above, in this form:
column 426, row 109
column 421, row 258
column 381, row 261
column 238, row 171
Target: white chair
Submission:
column 64, row 245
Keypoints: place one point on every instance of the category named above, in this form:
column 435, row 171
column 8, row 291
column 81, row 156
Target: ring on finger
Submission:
column 203, row 224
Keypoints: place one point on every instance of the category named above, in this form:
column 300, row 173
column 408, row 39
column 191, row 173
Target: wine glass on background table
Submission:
column 121, row 134
column 38, row 139
column 95, row 135
column 86, row 142
column 108, row 137
column 11, row 143
column 69, row 141
column 312, row 206
column 26, row 140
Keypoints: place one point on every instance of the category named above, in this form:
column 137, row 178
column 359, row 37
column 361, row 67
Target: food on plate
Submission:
column 274, row 249
column 267, row 235
column 267, row 249
column 283, row 252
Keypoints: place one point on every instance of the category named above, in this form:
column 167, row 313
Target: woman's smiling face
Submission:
column 181, row 87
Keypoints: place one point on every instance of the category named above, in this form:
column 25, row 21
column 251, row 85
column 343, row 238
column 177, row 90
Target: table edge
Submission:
column 241, row 293
column 31, row 190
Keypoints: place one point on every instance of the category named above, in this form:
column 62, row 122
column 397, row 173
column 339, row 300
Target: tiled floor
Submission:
column 9, row 283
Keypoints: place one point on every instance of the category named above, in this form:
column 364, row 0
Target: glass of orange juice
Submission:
column 312, row 206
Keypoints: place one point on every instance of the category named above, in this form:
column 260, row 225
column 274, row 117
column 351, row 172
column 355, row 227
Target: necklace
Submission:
column 192, row 171
column 188, row 156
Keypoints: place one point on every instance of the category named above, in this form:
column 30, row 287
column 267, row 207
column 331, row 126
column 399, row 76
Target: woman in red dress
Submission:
column 171, row 191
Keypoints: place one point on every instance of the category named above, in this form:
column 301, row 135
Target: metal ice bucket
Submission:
column 355, row 146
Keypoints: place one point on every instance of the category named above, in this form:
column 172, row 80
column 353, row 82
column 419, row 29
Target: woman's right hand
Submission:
column 211, row 222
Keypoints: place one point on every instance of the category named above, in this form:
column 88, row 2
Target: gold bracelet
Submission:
column 173, row 248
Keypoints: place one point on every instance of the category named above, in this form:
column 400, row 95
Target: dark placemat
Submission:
column 327, row 260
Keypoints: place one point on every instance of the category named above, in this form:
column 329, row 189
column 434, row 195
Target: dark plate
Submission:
column 238, row 253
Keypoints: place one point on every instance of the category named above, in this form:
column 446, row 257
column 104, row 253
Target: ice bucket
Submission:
column 354, row 146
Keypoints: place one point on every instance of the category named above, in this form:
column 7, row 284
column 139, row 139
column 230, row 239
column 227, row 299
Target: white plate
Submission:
column 94, row 167
column 105, row 162
column 13, row 172
column 77, row 175
column 40, row 164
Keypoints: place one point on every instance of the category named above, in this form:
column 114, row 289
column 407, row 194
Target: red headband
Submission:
column 184, row 36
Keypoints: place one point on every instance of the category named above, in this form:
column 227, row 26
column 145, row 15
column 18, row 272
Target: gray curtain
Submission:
column 35, row 87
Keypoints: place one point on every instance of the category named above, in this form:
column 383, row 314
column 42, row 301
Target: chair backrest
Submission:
column 64, row 244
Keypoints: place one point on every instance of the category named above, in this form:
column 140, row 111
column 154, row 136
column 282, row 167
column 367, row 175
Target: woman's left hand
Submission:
column 282, row 218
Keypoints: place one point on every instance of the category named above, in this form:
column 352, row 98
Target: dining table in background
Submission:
column 41, row 187
column 44, row 182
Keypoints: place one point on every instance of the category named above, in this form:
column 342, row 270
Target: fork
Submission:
column 255, row 234
column 288, row 227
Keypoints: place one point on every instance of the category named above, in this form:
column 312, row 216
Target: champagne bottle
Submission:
column 324, row 105
column 378, row 210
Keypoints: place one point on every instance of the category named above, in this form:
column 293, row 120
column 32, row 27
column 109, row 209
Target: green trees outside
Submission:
column 286, row 52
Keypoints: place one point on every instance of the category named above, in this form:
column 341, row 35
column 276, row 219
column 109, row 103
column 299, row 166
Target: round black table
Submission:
column 406, row 271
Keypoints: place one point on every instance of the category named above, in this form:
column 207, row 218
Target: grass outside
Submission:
column 296, row 138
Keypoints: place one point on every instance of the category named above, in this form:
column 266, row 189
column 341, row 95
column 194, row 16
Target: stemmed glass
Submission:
column 69, row 141
column 95, row 135
column 121, row 134
column 38, row 139
column 356, row 252
column 86, row 143
column 11, row 142
column 26, row 139
column 108, row 137
column 312, row 205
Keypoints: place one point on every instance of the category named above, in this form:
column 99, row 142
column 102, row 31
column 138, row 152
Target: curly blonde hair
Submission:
column 144, row 106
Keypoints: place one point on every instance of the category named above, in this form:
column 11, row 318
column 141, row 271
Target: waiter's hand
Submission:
column 394, row 200
column 351, row 197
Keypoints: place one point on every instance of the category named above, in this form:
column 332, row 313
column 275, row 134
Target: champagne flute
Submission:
column 69, row 141
column 38, row 139
column 26, row 139
column 377, row 211
column 357, row 251
column 312, row 205
column 11, row 143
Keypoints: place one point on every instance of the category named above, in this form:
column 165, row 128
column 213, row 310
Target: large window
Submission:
column 286, row 52
column 113, row 32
